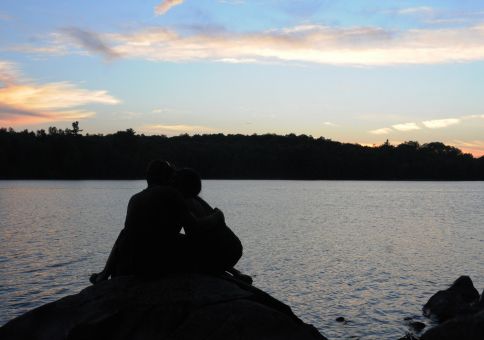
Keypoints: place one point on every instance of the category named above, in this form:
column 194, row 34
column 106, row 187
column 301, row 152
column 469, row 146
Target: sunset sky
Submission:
column 358, row 71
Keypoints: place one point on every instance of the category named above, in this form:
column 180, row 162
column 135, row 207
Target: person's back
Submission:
column 152, row 223
column 218, row 247
column 147, row 243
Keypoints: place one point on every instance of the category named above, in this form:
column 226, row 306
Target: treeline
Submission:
column 67, row 154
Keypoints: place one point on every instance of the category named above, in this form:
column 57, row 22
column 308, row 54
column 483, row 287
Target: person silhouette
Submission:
column 151, row 244
column 217, row 246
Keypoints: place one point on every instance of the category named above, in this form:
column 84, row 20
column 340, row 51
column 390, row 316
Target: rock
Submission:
column 417, row 326
column 480, row 304
column 409, row 336
column 184, row 306
column 458, row 299
column 470, row 327
column 340, row 319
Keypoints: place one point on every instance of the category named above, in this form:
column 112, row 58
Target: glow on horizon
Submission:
column 351, row 71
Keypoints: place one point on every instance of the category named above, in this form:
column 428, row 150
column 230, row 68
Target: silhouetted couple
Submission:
column 151, row 243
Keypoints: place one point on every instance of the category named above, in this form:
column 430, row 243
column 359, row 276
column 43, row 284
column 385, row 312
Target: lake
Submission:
column 372, row 252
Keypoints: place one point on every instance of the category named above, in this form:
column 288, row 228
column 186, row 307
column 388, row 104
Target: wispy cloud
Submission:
column 90, row 41
column 382, row 131
column 166, row 5
column 455, row 17
column 9, row 72
column 232, row 2
column 330, row 124
column 304, row 43
column 5, row 17
column 441, row 123
column 176, row 129
column 25, row 102
column 406, row 127
column 430, row 124
column 420, row 10
column 475, row 147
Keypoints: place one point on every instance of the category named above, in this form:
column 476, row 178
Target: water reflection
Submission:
column 372, row 252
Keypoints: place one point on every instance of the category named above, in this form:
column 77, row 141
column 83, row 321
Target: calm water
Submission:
column 372, row 252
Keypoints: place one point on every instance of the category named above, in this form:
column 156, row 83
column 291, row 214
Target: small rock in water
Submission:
column 480, row 304
column 417, row 326
column 340, row 319
column 407, row 318
column 408, row 336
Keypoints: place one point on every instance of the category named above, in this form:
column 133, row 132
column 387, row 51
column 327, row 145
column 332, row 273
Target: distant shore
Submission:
column 124, row 155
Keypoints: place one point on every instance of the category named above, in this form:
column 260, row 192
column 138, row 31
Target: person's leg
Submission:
column 111, row 263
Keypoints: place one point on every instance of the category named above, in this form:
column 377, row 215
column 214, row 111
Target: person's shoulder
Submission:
column 138, row 195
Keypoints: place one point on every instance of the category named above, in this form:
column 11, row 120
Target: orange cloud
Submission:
column 305, row 43
column 166, row 5
column 476, row 148
column 24, row 102
column 175, row 129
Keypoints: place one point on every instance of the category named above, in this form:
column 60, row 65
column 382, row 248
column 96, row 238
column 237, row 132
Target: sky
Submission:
column 356, row 71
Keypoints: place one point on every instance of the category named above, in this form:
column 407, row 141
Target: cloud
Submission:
column 166, row 5
column 430, row 124
column 92, row 42
column 422, row 10
column 475, row 147
column 473, row 116
column 406, row 127
column 440, row 123
column 367, row 46
column 330, row 124
column 383, row 131
column 232, row 2
column 455, row 17
column 25, row 102
column 9, row 72
column 5, row 17
column 176, row 129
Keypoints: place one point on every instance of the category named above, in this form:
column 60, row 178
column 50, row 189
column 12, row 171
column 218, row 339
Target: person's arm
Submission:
column 204, row 204
column 197, row 225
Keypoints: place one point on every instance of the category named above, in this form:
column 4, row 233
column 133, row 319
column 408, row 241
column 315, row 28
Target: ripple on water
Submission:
column 372, row 252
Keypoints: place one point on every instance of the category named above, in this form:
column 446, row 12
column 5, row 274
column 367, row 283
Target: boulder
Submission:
column 459, row 299
column 183, row 306
column 469, row 327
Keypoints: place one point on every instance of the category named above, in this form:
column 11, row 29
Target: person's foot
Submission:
column 97, row 277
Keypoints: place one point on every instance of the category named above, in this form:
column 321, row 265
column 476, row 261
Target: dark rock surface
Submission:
column 469, row 327
column 459, row 299
column 417, row 326
column 461, row 310
column 188, row 306
column 409, row 336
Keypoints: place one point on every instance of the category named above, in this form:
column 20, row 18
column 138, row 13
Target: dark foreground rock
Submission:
column 177, row 307
column 469, row 327
column 459, row 299
column 461, row 310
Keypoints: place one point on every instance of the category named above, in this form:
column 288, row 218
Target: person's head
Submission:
column 188, row 182
column 159, row 172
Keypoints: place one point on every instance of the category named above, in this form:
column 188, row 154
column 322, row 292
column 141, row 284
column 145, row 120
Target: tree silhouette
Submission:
column 67, row 154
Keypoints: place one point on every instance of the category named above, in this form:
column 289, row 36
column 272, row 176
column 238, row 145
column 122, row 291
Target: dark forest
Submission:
column 68, row 154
